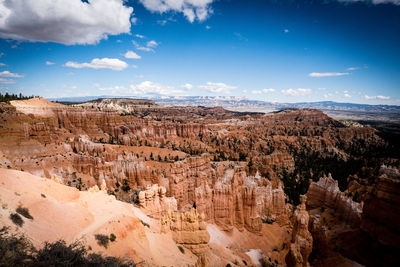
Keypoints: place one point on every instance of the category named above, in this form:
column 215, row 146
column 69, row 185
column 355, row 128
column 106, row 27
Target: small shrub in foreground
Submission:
column 16, row 219
column 102, row 240
column 24, row 212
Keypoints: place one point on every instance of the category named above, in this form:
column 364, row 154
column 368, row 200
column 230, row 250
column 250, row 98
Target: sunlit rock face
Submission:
column 326, row 194
column 301, row 244
column 154, row 202
column 241, row 201
column 189, row 230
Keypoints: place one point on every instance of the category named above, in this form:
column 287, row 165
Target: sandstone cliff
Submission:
column 301, row 244
column 326, row 194
column 381, row 212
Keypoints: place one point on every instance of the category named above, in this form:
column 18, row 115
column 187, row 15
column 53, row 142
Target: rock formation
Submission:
column 381, row 212
column 189, row 230
column 325, row 193
column 154, row 202
column 241, row 201
column 301, row 244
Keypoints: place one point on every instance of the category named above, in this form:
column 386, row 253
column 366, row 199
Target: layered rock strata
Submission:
column 301, row 244
column 381, row 212
column 189, row 230
column 154, row 202
column 326, row 194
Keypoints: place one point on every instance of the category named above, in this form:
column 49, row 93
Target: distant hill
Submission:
column 243, row 104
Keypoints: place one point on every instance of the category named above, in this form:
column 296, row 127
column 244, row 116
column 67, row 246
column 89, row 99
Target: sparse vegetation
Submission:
column 18, row 251
column 145, row 224
column 102, row 240
column 181, row 249
column 112, row 237
column 16, row 219
column 24, row 212
column 9, row 97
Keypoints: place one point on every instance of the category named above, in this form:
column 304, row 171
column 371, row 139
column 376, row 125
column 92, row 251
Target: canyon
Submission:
column 239, row 188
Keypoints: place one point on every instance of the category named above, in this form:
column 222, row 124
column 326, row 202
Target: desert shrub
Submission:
column 267, row 220
column 135, row 196
column 181, row 249
column 145, row 224
column 43, row 195
column 14, row 250
column 24, row 212
column 228, row 265
column 102, row 240
column 75, row 254
column 112, row 237
column 16, row 219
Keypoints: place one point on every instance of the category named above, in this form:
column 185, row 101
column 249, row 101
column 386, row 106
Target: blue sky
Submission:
column 285, row 51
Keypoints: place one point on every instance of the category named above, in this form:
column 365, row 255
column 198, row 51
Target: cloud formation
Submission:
column 217, row 88
column 8, row 74
column 380, row 97
column 297, row 92
column 188, row 86
column 132, row 55
column 268, row 90
column 191, row 9
column 6, row 81
column 144, row 88
column 67, row 22
column 375, row 2
column 152, row 43
column 327, row 74
column 50, row 63
column 99, row 63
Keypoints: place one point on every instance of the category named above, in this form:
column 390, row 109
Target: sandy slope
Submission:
column 37, row 106
column 62, row 212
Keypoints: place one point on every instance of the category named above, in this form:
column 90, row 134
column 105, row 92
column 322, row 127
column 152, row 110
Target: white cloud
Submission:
column 328, row 95
column 139, row 36
column 268, row 90
column 152, row 43
column 6, row 81
column 352, row 68
column 191, row 9
column 162, row 22
column 297, row 92
column 188, row 86
column 132, row 55
column 67, row 22
column 256, row 92
column 2, row 64
column 327, row 74
column 375, row 2
column 97, row 63
column 50, row 63
column 381, row 97
column 134, row 20
column 347, row 95
column 144, row 88
column 286, row 31
column 217, row 88
column 8, row 74
column 208, row 27
column 146, row 49
column 142, row 48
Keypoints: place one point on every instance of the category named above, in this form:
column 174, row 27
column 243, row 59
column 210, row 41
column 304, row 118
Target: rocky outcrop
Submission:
column 301, row 244
column 241, row 201
column 189, row 230
column 326, row 194
column 381, row 212
column 154, row 202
